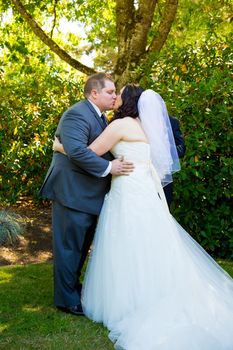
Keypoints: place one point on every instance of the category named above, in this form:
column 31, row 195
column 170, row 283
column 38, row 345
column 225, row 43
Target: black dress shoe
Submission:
column 76, row 310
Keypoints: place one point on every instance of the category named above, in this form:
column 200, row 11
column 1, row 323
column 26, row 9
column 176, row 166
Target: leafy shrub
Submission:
column 197, row 87
column 31, row 108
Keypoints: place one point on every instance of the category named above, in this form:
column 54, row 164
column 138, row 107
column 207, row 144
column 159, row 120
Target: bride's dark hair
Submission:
column 130, row 97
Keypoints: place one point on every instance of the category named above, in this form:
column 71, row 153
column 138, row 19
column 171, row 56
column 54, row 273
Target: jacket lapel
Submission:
column 94, row 113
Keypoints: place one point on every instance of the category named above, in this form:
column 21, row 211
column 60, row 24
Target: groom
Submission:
column 77, row 183
column 180, row 147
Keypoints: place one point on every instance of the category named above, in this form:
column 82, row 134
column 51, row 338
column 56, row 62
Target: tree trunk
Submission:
column 133, row 27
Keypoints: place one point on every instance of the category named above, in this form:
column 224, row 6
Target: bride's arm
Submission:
column 112, row 134
column 103, row 143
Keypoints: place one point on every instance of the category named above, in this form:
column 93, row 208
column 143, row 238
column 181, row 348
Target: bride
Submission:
column 147, row 280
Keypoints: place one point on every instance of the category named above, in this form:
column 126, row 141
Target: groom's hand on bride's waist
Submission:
column 121, row 166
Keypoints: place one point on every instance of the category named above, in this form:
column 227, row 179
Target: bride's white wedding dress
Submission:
column 147, row 280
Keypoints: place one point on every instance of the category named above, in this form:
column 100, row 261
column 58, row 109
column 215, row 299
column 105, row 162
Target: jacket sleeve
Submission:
column 179, row 139
column 74, row 134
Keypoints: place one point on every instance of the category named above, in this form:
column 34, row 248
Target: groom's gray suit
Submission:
column 75, row 185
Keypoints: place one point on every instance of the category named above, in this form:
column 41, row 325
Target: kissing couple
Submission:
column 147, row 280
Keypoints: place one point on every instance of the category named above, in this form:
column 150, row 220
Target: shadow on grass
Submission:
column 28, row 319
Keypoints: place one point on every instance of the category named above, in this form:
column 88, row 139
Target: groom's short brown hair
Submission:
column 96, row 81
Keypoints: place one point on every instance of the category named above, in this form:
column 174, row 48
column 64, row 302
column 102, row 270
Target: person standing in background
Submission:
column 180, row 146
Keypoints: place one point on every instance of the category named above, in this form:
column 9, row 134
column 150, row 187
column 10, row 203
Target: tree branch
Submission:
column 164, row 28
column 49, row 42
column 55, row 17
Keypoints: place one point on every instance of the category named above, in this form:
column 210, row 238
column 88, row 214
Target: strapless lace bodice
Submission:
column 136, row 151
column 139, row 153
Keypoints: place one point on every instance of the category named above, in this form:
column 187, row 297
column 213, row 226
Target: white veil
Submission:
column 156, row 124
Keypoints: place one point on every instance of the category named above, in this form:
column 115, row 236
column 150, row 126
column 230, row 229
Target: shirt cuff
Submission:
column 107, row 171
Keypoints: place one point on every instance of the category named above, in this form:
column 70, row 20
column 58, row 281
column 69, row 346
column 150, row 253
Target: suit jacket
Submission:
column 180, row 146
column 179, row 140
column 74, row 180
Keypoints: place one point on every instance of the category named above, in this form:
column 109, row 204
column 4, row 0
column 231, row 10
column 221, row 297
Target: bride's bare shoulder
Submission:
column 124, row 120
column 120, row 122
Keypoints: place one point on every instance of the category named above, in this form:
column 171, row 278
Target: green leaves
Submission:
column 201, row 100
column 36, row 90
column 192, row 73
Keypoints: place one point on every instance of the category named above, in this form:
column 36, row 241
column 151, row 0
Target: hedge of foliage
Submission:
column 33, row 100
column 196, row 85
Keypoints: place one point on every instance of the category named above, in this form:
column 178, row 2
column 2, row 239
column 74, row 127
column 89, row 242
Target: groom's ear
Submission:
column 94, row 93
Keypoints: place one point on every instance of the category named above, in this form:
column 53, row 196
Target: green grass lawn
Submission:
column 28, row 319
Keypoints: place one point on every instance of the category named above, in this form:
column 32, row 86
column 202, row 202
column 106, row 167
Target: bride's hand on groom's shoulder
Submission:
column 121, row 167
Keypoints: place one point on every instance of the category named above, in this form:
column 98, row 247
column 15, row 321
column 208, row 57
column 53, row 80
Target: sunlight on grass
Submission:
column 227, row 266
column 29, row 320
column 3, row 328
column 31, row 309
column 5, row 276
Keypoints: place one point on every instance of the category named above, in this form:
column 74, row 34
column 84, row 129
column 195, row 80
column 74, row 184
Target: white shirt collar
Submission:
column 96, row 108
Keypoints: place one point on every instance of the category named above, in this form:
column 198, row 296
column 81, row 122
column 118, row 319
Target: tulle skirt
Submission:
column 150, row 283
